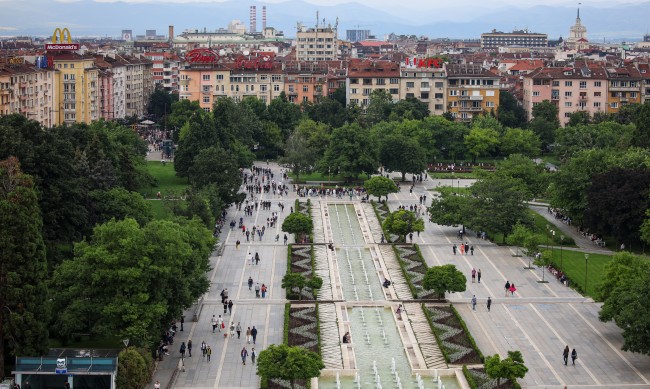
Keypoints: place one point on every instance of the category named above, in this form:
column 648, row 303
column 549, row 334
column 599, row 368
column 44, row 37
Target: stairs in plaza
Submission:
column 427, row 342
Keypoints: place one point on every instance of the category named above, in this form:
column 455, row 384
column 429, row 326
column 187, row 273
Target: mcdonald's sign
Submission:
column 62, row 41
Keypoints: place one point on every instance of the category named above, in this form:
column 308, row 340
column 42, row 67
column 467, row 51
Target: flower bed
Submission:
column 414, row 268
column 478, row 379
column 301, row 261
column 455, row 341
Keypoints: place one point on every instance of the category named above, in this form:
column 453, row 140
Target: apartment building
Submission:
column 623, row 87
column 570, row 89
column 165, row 69
column 204, row 85
column 265, row 83
column 77, row 87
column 471, row 90
column 28, row 90
column 306, row 81
column 427, row 84
column 522, row 38
column 139, row 85
column 365, row 76
column 316, row 44
column 644, row 71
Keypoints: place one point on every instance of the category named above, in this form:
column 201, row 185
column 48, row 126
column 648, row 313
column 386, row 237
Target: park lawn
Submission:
column 160, row 212
column 573, row 265
column 166, row 180
column 449, row 190
column 324, row 177
column 453, row 175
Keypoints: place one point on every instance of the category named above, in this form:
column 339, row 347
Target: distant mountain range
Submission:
column 91, row 18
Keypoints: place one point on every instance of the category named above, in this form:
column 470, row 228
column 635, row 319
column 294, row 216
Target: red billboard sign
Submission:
column 202, row 56
column 62, row 46
column 424, row 62
column 254, row 63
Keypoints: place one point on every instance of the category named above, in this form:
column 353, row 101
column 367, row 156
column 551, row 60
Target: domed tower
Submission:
column 577, row 39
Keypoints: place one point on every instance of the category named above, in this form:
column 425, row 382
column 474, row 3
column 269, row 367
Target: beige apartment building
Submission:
column 28, row 90
column 316, row 44
column 425, row 84
column 471, row 90
column 569, row 89
column 365, row 76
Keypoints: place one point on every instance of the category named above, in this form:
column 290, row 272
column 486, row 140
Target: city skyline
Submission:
column 614, row 21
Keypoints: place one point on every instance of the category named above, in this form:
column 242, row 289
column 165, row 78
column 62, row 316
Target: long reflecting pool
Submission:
column 346, row 229
column 359, row 279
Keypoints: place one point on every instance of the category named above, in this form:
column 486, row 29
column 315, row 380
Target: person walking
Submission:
column 257, row 290
column 249, row 258
column 565, row 355
column 230, row 307
column 489, row 303
column 478, row 274
column 208, row 353
column 254, row 334
column 214, row 323
column 238, row 329
column 257, row 259
column 219, row 323
column 204, row 348
column 248, row 335
column 253, row 355
column 250, row 283
column 512, row 289
column 244, row 355
column 462, row 249
column 454, row 249
column 182, row 350
column 474, row 303
column 285, row 239
column 237, row 244
column 225, row 307
column 156, row 385
column 189, row 348
column 574, row 356
column 471, row 249
column 264, row 288
column 507, row 287
column 473, row 275
column 232, row 329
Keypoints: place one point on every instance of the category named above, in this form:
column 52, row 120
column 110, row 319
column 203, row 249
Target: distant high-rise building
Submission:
column 263, row 18
column 253, row 19
column 495, row 39
column 319, row 43
column 150, row 33
column 357, row 35
column 127, row 35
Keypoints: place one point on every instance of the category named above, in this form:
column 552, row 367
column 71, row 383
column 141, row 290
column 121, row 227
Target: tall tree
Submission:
column 532, row 174
column 24, row 301
column 481, row 142
column 297, row 154
column 545, row 121
column 215, row 165
column 288, row 363
column 160, row 104
column 402, row 223
column 625, row 293
column 509, row 368
column 616, row 203
column 380, row 186
column 181, row 112
column 351, row 151
column 518, row 141
column 510, row 113
column 403, row 154
column 380, row 107
column 443, row 279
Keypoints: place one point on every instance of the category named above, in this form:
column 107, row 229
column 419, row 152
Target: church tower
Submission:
column 577, row 39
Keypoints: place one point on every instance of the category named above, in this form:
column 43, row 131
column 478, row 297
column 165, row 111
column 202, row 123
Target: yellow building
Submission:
column 77, row 89
column 623, row 87
column 471, row 90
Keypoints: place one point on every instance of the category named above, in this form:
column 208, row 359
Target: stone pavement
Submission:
column 539, row 320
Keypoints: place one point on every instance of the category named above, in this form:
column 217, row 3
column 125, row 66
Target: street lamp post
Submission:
column 586, row 261
column 561, row 259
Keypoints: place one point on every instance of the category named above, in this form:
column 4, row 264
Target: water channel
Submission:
column 380, row 357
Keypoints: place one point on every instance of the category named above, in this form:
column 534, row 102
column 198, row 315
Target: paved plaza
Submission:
column 539, row 320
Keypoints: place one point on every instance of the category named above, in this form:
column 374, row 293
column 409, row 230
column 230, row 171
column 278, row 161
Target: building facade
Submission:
column 28, row 90
column 316, row 44
column 77, row 88
column 471, row 90
column 624, row 87
column 523, row 38
column 425, row 84
column 364, row 77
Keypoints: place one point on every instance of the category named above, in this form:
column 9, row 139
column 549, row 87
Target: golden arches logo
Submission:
column 61, row 36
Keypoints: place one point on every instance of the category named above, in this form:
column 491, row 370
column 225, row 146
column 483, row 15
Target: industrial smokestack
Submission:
column 253, row 19
column 171, row 33
column 263, row 18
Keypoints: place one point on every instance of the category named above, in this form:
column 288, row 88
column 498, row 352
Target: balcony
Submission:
column 555, row 97
column 624, row 88
column 425, row 89
column 471, row 109
column 463, row 97
column 583, row 98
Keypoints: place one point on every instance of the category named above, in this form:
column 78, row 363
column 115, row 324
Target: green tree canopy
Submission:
column 402, row 223
column 625, row 293
column 532, row 174
column 442, row 279
column 215, row 165
column 288, row 363
column 294, row 280
column 403, row 154
column 118, row 203
column 24, row 300
column 510, row 113
column 380, row 186
column 509, row 368
column 297, row 223
column 351, row 151
column 449, row 209
column 481, row 142
column 518, row 141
